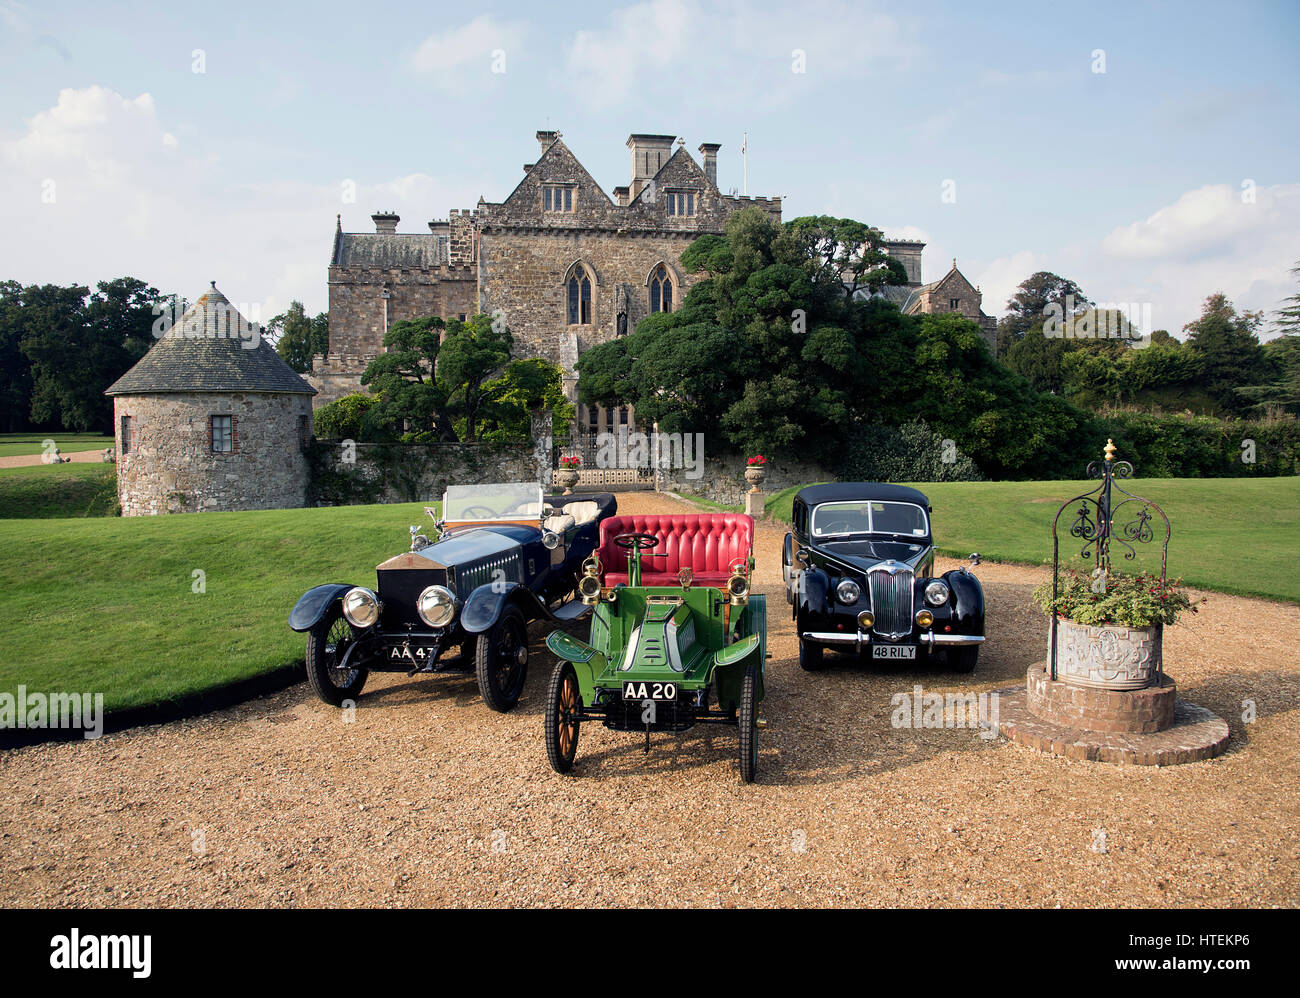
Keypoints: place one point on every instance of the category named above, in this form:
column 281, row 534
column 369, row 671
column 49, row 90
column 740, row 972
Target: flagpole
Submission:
column 744, row 158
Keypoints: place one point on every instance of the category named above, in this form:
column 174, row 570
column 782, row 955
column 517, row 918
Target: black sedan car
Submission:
column 858, row 566
column 505, row 555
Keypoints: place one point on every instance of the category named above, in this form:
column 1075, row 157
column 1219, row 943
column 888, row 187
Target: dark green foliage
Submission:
column 344, row 418
column 1225, row 344
column 911, row 452
column 299, row 337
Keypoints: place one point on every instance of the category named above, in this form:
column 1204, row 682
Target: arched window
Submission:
column 661, row 290
column 579, row 297
column 620, row 324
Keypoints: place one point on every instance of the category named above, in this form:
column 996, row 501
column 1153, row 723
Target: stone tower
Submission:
column 211, row 418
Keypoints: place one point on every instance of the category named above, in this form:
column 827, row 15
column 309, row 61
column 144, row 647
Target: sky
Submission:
column 1148, row 151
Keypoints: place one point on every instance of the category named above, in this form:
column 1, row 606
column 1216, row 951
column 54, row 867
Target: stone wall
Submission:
column 170, row 468
column 386, row 473
column 724, row 482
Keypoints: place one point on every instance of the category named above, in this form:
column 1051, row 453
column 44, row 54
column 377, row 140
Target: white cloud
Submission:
column 1208, row 240
column 100, row 187
column 459, row 59
column 719, row 56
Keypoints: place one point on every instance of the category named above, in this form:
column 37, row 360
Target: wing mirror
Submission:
column 974, row 559
column 803, row 557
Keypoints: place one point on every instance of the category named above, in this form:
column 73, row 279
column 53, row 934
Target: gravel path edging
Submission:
column 190, row 705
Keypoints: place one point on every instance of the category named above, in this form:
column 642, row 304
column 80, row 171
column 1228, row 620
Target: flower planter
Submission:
column 755, row 474
column 566, row 478
column 1107, row 656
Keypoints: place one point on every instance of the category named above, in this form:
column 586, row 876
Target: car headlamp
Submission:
column 936, row 593
column 738, row 589
column 589, row 589
column 848, row 592
column 550, row 540
column 866, row 620
column 436, row 606
column 361, row 607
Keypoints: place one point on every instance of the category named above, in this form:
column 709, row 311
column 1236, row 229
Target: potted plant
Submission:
column 756, row 471
column 566, row 476
column 1110, row 626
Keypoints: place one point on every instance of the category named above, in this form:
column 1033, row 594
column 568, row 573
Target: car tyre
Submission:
column 810, row 655
column 563, row 699
column 501, row 660
column 963, row 659
column 327, row 642
column 749, row 725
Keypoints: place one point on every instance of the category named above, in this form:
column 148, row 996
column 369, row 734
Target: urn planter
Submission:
column 755, row 474
column 1107, row 656
column 566, row 478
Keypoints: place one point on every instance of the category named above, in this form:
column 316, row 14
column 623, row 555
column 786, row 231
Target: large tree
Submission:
column 1288, row 316
column 1226, row 345
column 432, row 380
column 299, row 337
column 1031, row 305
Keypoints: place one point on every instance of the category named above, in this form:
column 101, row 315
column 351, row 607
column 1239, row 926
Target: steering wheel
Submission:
column 489, row 512
column 830, row 528
column 636, row 542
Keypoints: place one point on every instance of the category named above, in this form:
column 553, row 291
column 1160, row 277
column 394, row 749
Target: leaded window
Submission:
column 579, row 297
column 661, row 290
column 223, row 437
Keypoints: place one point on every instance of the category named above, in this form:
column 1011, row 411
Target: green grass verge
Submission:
column 15, row 444
column 108, row 606
column 58, row 490
column 1230, row 535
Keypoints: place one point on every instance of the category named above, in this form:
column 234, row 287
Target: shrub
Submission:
column 1131, row 600
column 908, row 453
column 345, row 418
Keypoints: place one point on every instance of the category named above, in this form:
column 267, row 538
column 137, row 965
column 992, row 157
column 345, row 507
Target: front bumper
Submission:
column 862, row 639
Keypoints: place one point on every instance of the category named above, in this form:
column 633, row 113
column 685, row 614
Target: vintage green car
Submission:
column 680, row 644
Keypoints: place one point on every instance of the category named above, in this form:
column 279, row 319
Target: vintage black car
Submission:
column 505, row 555
column 858, row 566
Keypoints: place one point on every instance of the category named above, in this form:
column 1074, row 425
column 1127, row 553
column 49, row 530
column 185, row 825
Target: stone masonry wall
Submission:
column 388, row 473
column 724, row 482
column 170, row 468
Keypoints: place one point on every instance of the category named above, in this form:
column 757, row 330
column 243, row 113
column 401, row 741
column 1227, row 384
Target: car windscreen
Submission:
column 870, row 517
column 505, row 501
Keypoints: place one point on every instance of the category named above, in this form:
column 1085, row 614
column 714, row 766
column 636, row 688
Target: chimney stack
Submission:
column 546, row 139
column 621, row 196
column 649, row 153
column 385, row 221
column 709, row 151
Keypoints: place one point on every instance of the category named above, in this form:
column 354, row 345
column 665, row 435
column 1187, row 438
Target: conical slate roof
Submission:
column 209, row 349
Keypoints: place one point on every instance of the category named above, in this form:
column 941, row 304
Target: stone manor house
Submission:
column 569, row 265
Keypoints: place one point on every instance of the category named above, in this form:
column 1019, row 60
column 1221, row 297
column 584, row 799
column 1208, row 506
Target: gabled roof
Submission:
column 558, row 151
column 209, row 349
column 680, row 162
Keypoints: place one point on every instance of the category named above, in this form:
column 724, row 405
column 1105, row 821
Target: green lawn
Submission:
column 107, row 605
column 58, row 490
column 13, row 444
column 1237, row 535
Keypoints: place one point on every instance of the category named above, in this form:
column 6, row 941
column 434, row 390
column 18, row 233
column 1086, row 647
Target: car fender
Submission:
column 485, row 604
column 967, row 600
column 314, row 603
column 588, row 662
column 814, row 586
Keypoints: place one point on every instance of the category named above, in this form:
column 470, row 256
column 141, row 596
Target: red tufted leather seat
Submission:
column 707, row 543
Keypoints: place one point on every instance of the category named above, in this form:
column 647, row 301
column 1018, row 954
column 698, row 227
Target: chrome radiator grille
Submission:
column 891, row 599
column 470, row 577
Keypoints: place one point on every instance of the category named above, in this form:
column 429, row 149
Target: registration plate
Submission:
column 649, row 691
column 893, row 651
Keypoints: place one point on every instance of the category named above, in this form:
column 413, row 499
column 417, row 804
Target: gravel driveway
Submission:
column 429, row 798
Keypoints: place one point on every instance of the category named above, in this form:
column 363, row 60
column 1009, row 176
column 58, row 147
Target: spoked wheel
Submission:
column 749, row 725
column 563, row 703
column 327, row 644
column 501, row 660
